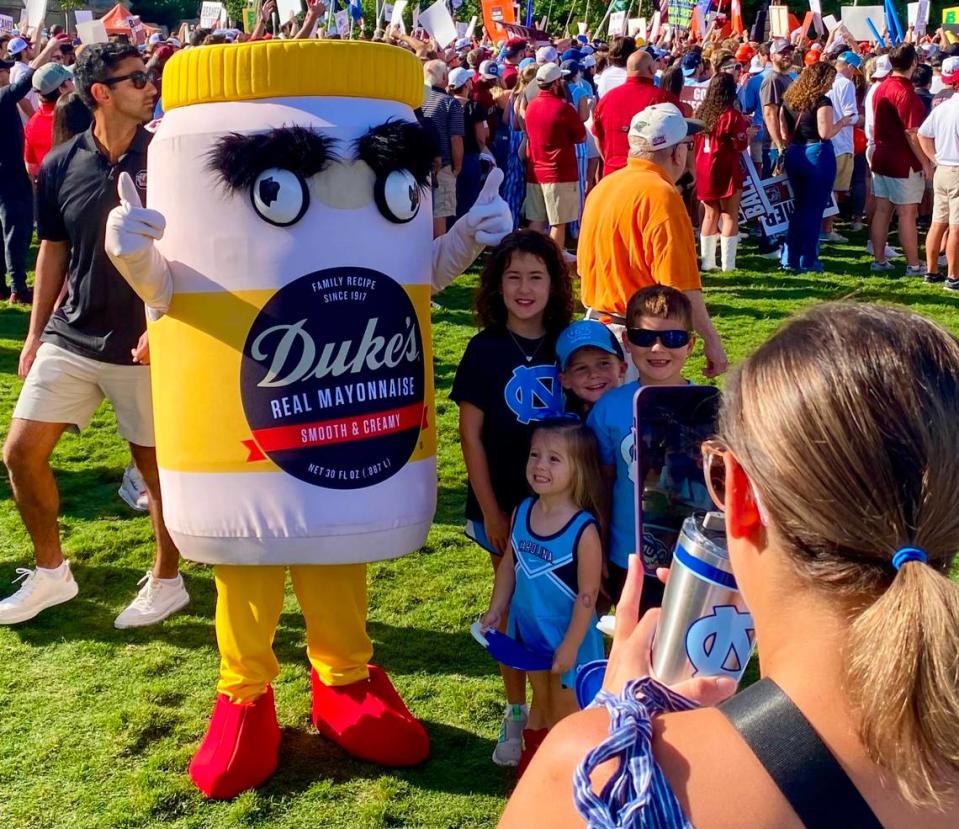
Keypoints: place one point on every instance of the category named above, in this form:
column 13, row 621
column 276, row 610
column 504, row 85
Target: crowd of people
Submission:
column 608, row 175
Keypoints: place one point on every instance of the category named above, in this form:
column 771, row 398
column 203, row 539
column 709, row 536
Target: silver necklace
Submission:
column 529, row 357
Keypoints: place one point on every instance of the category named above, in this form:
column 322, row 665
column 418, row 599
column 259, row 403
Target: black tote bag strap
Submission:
column 798, row 761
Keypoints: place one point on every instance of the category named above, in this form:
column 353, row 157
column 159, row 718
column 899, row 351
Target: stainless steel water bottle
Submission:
column 704, row 628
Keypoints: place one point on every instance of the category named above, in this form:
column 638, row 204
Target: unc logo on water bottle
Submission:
column 534, row 393
column 720, row 644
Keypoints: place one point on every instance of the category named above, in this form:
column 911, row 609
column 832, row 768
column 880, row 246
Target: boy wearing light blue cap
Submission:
column 591, row 362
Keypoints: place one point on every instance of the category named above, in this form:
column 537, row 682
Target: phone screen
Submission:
column 670, row 423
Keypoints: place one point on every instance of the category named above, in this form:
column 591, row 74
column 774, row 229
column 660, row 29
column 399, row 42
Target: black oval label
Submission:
column 333, row 378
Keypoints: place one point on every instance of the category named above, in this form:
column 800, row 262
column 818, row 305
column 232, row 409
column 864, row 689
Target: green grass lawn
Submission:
column 97, row 726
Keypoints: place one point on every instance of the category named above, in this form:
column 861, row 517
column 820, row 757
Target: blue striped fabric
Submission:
column 638, row 795
column 514, row 184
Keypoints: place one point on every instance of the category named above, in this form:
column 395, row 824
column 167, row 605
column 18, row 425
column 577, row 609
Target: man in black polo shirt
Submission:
column 84, row 351
column 16, row 192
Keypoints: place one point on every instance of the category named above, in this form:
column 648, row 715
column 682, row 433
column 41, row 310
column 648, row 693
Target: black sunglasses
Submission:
column 139, row 79
column 645, row 338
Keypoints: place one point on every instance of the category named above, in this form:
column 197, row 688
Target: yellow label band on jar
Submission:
column 335, row 365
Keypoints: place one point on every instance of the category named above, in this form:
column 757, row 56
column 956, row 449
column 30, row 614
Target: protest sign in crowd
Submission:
column 614, row 168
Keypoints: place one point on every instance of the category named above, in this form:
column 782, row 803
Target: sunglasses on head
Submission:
column 646, row 338
column 139, row 79
column 714, row 470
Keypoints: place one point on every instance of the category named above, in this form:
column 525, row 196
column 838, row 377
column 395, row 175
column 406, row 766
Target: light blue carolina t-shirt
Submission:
column 611, row 420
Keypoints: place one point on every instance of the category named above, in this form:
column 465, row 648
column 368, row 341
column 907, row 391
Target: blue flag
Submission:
column 529, row 14
column 356, row 10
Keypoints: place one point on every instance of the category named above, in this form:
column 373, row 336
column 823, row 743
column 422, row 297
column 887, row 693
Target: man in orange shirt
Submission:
column 635, row 230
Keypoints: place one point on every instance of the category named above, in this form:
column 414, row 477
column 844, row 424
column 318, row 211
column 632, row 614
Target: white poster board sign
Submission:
column 779, row 21
column 342, row 18
column 396, row 16
column 288, row 9
column 6, row 23
column 617, row 23
column 439, row 23
column 830, row 22
column 92, row 31
column 416, row 18
column 471, row 29
column 815, row 6
column 918, row 16
column 36, row 14
column 854, row 19
column 210, row 14
column 83, row 15
column 654, row 29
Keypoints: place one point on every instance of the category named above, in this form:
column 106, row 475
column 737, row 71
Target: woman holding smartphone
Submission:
column 842, row 530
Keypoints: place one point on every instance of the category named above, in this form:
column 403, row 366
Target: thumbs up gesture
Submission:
column 129, row 242
column 490, row 219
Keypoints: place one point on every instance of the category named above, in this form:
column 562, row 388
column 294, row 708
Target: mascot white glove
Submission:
column 486, row 223
column 130, row 235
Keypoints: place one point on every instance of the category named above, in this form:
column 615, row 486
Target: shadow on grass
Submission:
column 459, row 764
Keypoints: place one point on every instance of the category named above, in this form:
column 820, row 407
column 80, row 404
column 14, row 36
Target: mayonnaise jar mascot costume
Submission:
column 289, row 298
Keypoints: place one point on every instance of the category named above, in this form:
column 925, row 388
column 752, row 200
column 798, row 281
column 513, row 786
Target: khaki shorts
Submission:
column 556, row 203
column 444, row 194
column 899, row 190
column 843, row 173
column 63, row 387
column 945, row 188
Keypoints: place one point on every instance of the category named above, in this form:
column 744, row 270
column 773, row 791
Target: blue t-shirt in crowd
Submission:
column 611, row 420
column 749, row 101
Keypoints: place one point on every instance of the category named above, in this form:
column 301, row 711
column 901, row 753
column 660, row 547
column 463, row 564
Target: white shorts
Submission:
column 63, row 387
column 899, row 190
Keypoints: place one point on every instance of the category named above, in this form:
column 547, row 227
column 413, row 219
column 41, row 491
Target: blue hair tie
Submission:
column 905, row 554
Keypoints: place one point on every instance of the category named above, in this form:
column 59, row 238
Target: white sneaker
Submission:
column 157, row 599
column 40, row 589
column 891, row 252
column 133, row 490
column 509, row 747
column 832, row 236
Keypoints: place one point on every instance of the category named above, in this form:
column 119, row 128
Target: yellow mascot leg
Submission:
column 355, row 706
column 241, row 748
column 333, row 601
column 248, row 606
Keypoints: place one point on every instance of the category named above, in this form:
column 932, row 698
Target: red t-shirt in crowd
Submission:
column 510, row 75
column 897, row 108
column 553, row 129
column 38, row 134
column 614, row 112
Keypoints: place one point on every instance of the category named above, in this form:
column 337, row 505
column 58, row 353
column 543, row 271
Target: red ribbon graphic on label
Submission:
column 337, row 430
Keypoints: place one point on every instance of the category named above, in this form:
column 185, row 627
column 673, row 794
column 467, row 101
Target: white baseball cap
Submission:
column 950, row 70
column 154, row 39
column 661, row 125
column 460, row 76
column 547, row 54
column 756, row 65
column 882, row 67
column 548, row 73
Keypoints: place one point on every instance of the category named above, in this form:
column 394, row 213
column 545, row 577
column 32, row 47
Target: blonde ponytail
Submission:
column 847, row 423
column 901, row 675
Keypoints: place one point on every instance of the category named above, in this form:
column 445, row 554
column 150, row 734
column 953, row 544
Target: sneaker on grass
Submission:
column 133, row 490
column 915, row 270
column 932, row 278
column 891, row 252
column 951, row 283
column 832, row 236
column 509, row 747
column 882, row 267
column 41, row 589
column 157, row 599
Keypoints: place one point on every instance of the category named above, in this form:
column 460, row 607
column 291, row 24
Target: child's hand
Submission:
column 565, row 658
column 491, row 619
column 497, row 530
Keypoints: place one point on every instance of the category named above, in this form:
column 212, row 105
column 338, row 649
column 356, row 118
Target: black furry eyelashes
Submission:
column 240, row 158
column 396, row 145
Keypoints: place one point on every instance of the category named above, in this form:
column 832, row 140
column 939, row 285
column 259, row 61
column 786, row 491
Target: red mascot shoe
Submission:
column 240, row 750
column 369, row 720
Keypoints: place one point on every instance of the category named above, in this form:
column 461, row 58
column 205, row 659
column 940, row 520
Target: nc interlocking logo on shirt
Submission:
column 534, row 393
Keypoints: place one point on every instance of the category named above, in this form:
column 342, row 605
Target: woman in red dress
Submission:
column 719, row 173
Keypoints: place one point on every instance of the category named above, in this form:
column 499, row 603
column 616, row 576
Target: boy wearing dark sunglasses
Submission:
column 659, row 340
